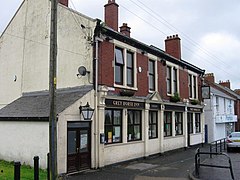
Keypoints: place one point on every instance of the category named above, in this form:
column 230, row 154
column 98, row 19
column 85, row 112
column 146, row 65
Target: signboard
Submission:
column 155, row 106
column 124, row 103
column 174, row 108
column 206, row 92
column 194, row 109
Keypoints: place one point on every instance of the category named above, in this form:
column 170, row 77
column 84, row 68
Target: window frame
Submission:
column 177, row 123
column 153, row 124
column 131, row 68
column 119, row 65
column 190, row 122
column 167, row 123
column 151, row 75
column 112, row 125
column 197, row 123
column 133, row 125
column 192, row 86
column 172, row 78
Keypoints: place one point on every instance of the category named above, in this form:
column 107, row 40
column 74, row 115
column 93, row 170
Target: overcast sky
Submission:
column 209, row 29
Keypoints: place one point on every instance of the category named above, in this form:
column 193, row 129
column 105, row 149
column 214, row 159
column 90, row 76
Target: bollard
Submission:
column 17, row 166
column 36, row 167
column 48, row 172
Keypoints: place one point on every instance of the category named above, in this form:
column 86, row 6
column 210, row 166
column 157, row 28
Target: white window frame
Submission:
column 192, row 74
column 172, row 66
column 155, row 59
column 126, row 48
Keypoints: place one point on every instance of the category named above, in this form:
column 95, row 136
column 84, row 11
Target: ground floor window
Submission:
column 134, row 125
column 167, row 123
column 197, row 123
column 179, row 123
column 153, row 116
column 113, row 126
column 190, row 123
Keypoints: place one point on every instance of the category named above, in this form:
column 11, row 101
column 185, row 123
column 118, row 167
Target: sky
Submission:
column 209, row 29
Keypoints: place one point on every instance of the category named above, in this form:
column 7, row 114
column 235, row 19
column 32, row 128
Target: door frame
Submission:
column 78, row 126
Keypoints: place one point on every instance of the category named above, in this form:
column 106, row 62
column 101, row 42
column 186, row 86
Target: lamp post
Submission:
column 86, row 111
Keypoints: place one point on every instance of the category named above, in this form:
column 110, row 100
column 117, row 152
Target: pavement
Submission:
column 173, row 165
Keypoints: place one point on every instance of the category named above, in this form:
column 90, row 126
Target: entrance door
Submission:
column 79, row 146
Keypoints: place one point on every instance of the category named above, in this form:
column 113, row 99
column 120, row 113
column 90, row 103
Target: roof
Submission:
column 150, row 49
column 35, row 105
column 220, row 93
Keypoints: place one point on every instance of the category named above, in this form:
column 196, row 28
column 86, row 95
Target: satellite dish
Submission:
column 82, row 70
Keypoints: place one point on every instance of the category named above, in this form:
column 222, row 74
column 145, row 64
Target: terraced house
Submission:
column 146, row 100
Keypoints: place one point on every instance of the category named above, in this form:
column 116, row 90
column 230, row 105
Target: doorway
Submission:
column 78, row 146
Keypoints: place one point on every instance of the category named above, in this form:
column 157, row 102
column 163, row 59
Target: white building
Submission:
column 219, row 115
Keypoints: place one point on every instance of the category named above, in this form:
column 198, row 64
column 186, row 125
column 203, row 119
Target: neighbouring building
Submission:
column 220, row 109
column 146, row 100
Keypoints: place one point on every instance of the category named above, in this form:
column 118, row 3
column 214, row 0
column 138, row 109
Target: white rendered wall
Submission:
column 21, row 141
column 25, row 44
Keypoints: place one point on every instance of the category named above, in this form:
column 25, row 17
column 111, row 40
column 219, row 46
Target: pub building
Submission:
column 149, row 100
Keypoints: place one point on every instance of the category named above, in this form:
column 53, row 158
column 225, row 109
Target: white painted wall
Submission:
column 171, row 143
column 123, row 152
column 21, row 141
column 24, row 50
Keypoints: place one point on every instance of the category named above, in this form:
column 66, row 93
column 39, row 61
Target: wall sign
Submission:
column 206, row 92
column 155, row 106
column 124, row 103
column 194, row 109
column 174, row 108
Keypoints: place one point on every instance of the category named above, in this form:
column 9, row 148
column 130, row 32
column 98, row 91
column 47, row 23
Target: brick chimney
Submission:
column 63, row 2
column 225, row 84
column 111, row 14
column 124, row 29
column 173, row 46
column 209, row 77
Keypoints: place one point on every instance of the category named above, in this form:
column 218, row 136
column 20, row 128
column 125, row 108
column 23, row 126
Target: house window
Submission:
column 130, row 69
column 192, row 84
column 179, row 123
column 167, row 124
column 197, row 123
column 124, row 68
column 190, row 123
column 119, row 64
column 153, row 116
column 113, row 126
column 134, row 125
column 151, row 75
column 172, row 80
column 217, row 104
column 169, row 80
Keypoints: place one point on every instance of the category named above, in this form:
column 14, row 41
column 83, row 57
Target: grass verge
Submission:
column 26, row 172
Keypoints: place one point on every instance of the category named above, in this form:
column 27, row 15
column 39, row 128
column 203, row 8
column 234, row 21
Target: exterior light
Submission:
column 86, row 111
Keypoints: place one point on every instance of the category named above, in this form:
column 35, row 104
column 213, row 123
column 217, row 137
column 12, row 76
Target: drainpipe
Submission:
column 97, row 134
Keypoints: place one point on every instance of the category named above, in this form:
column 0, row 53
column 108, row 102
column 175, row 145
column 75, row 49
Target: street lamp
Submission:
column 86, row 111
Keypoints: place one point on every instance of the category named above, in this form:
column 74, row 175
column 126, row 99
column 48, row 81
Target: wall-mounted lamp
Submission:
column 163, row 61
column 86, row 111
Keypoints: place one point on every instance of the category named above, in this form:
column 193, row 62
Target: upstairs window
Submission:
column 130, row 69
column 151, row 75
column 119, row 64
column 124, row 74
column 192, row 86
column 172, row 80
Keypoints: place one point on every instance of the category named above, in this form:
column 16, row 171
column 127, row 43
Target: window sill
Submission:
column 125, row 87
